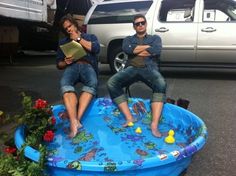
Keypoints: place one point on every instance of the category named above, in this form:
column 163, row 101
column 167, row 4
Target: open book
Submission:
column 73, row 49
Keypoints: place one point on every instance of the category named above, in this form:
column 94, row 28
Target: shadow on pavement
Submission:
column 12, row 99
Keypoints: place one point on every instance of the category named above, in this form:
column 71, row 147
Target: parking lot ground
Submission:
column 212, row 96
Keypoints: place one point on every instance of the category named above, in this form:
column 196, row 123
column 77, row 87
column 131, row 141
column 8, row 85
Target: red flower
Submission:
column 10, row 150
column 48, row 136
column 49, row 111
column 53, row 120
column 39, row 104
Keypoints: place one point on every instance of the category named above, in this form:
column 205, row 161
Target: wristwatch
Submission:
column 78, row 39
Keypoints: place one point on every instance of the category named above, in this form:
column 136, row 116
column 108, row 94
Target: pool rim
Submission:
column 34, row 154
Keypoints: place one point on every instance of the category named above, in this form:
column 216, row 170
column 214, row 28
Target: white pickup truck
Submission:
column 194, row 32
column 19, row 18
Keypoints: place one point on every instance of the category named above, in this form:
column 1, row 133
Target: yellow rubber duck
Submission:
column 138, row 130
column 130, row 124
column 170, row 138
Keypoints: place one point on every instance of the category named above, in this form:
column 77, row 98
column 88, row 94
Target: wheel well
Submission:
column 113, row 44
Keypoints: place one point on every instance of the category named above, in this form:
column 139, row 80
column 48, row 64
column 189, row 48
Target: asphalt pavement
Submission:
column 211, row 95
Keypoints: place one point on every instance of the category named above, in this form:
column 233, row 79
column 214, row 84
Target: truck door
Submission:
column 216, row 33
column 174, row 22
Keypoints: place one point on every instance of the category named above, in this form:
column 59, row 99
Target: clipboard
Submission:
column 73, row 49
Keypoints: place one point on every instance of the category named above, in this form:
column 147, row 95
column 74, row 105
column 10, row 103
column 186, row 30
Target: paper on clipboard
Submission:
column 73, row 49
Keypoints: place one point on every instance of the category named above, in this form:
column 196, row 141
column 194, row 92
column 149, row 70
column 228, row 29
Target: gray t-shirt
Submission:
column 138, row 61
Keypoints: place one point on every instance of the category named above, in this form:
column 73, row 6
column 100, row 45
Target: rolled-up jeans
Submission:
column 79, row 72
column 149, row 75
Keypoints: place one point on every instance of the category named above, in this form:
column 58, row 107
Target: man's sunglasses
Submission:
column 141, row 23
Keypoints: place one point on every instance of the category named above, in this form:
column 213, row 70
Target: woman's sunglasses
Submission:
column 141, row 23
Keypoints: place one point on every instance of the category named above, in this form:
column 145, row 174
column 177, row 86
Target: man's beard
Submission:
column 142, row 32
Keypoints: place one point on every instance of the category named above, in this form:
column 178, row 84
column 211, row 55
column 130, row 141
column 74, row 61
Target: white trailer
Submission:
column 16, row 16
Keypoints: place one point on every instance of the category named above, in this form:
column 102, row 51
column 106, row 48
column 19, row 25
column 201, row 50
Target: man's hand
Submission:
column 63, row 64
column 69, row 60
column 144, row 54
column 74, row 35
column 140, row 48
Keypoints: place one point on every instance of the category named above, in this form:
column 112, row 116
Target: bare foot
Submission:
column 79, row 125
column 126, row 124
column 73, row 134
column 73, row 129
column 155, row 131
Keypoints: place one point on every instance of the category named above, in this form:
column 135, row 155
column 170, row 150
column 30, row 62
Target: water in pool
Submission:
column 103, row 139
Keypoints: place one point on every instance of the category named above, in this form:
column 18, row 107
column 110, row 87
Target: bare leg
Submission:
column 156, row 114
column 84, row 101
column 125, row 110
column 70, row 100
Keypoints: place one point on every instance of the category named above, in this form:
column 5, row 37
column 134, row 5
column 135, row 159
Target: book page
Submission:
column 73, row 49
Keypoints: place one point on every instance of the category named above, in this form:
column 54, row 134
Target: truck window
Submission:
column 177, row 11
column 118, row 12
column 219, row 11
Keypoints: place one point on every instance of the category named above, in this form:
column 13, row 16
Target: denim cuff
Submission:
column 65, row 89
column 89, row 90
column 120, row 99
column 158, row 97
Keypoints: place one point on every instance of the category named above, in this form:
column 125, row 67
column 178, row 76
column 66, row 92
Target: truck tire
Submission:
column 117, row 59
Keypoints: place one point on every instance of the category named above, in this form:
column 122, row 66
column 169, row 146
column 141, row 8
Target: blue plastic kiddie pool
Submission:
column 104, row 148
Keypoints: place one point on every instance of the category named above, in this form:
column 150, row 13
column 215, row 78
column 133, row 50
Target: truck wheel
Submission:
column 117, row 59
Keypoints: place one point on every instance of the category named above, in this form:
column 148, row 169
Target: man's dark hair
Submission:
column 139, row 16
column 69, row 18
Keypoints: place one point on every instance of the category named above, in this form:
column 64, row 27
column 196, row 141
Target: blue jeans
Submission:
column 79, row 72
column 149, row 75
